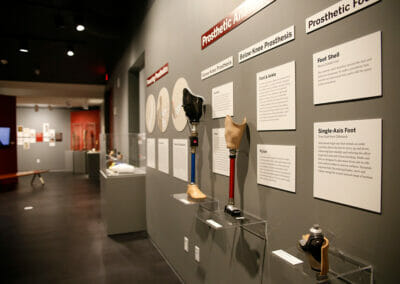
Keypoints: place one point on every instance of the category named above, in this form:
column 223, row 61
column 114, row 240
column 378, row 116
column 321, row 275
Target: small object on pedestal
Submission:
column 315, row 245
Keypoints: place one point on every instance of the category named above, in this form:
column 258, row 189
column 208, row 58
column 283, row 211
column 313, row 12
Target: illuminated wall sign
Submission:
column 335, row 12
column 244, row 11
column 158, row 75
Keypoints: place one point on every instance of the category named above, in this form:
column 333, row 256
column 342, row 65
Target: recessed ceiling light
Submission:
column 80, row 28
column 70, row 50
column 23, row 46
column 4, row 61
column 28, row 207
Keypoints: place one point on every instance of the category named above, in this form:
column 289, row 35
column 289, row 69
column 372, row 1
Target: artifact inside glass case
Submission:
column 193, row 106
column 116, row 164
column 316, row 245
column 233, row 136
column 123, row 154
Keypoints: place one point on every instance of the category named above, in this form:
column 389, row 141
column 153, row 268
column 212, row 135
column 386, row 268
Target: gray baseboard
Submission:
column 166, row 259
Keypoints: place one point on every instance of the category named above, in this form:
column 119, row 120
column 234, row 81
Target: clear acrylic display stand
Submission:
column 184, row 199
column 210, row 214
column 217, row 219
column 342, row 268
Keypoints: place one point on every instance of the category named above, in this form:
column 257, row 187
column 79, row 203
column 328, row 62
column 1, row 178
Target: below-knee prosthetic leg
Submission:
column 193, row 106
column 233, row 136
column 315, row 245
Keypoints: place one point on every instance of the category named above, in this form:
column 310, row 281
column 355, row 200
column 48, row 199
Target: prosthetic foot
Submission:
column 194, row 192
column 233, row 136
column 315, row 245
column 193, row 107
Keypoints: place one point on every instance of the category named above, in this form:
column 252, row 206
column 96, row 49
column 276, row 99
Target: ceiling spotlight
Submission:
column 79, row 23
column 70, row 51
column 4, row 61
column 80, row 28
column 23, row 47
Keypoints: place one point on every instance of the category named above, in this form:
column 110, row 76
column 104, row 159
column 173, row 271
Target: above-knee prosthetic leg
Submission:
column 193, row 106
column 233, row 136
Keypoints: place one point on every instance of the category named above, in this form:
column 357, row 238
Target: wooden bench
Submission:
column 36, row 173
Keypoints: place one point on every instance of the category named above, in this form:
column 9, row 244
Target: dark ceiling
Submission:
column 49, row 28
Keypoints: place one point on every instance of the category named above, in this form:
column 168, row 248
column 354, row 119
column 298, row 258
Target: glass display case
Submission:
column 123, row 154
column 291, row 266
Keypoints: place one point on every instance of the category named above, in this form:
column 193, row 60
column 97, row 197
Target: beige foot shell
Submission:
column 194, row 192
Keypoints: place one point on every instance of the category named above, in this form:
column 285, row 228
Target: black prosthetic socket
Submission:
column 193, row 106
column 314, row 243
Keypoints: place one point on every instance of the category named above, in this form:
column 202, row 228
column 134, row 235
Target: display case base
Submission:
column 291, row 265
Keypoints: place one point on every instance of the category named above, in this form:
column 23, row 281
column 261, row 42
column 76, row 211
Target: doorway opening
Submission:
column 136, row 106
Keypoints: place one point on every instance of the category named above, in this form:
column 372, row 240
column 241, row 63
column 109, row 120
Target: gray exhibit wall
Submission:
column 171, row 33
column 51, row 158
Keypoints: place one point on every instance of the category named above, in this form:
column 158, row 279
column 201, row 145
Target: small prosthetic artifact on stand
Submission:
column 315, row 245
column 233, row 136
column 193, row 107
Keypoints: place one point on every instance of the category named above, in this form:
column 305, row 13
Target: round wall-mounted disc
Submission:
column 163, row 109
column 150, row 113
column 178, row 114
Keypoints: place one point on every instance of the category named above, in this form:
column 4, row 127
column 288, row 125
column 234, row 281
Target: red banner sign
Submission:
column 244, row 11
column 158, row 75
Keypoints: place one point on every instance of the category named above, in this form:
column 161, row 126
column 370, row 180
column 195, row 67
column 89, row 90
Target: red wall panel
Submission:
column 85, row 129
column 8, row 156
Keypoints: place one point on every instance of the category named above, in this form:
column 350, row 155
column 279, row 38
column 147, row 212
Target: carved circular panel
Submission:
column 150, row 113
column 178, row 114
column 163, row 109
